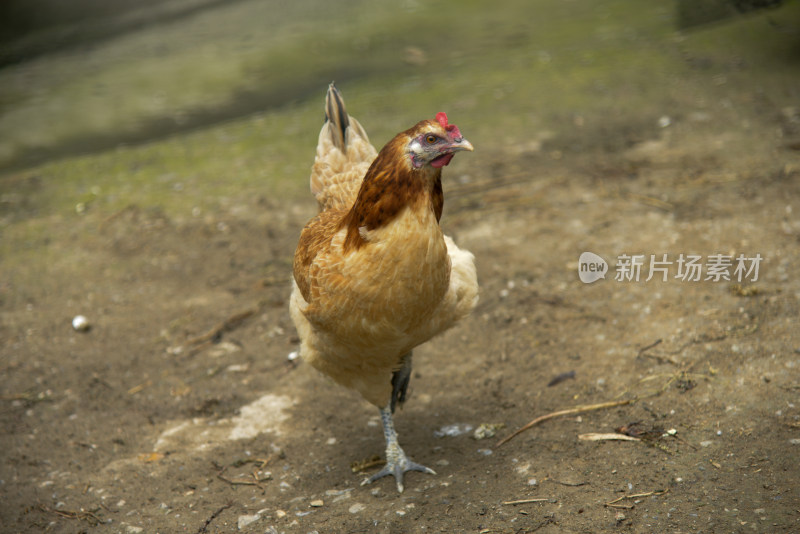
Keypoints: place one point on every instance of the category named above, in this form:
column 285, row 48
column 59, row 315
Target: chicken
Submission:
column 374, row 276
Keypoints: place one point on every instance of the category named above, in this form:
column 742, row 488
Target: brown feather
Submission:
column 390, row 185
column 316, row 235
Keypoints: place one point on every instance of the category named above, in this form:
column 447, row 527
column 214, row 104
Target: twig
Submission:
column 526, row 501
column 17, row 396
column 650, row 346
column 253, row 481
column 363, row 465
column 27, row 396
column 613, row 504
column 136, row 389
column 613, row 436
column 650, row 201
column 659, row 357
column 262, row 462
column 570, row 484
column 221, row 509
column 569, row 411
column 228, row 324
column 89, row 517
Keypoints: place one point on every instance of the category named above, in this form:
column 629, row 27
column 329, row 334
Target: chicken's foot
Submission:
column 397, row 463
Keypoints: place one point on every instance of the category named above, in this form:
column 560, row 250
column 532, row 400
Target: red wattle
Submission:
column 441, row 161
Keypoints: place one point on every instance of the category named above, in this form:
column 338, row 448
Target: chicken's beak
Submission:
column 446, row 152
column 459, row 144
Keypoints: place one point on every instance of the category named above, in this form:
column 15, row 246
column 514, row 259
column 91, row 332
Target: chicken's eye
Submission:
column 431, row 139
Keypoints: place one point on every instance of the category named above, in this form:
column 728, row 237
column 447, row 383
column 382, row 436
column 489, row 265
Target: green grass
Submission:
column 504, row 74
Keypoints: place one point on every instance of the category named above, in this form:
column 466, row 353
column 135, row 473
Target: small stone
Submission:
column 280, row 514
column 247, row 520
column 357, row 507
column 130, row 529
column 453, row 430
column 81, row 324
column 317, row 503
column 487, row 430
column 794, row 441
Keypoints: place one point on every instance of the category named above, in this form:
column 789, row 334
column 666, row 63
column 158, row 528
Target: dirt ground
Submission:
column 179, row 409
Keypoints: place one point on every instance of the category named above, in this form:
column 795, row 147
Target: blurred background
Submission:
column 88, row 75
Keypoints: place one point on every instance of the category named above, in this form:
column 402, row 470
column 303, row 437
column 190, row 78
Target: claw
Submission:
column 397, row 469
column 397, row 463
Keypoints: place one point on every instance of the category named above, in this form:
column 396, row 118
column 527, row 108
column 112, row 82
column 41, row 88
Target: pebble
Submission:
column 247, row 520
column 280, row 514
column 357, row 507
column 487, row 430
column 80, row 323
column 130, row 529
column 317, row 503
column 453, row 430
column 794, row 441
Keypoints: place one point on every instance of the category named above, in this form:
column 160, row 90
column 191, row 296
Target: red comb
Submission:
column 452, row 128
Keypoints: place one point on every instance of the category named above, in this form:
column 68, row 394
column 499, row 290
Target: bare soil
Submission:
column 179, row 410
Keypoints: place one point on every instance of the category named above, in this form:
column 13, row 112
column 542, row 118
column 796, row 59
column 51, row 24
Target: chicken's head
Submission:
column 434, row 142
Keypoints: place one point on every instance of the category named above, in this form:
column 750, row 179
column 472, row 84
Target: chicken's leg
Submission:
column 397, row 463
column 400, row 380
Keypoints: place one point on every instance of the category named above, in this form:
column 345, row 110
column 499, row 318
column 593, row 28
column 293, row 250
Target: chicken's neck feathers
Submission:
column 391, row 185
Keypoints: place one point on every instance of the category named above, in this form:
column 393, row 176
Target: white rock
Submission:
column 357, row 507
column 247, row 520
column 80, row 323
column 453, row 430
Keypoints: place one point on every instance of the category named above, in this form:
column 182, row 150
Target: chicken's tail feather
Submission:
column 336, row 114
column 344, row 154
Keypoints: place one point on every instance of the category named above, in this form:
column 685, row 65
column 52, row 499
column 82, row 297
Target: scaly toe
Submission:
column 397, row 469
